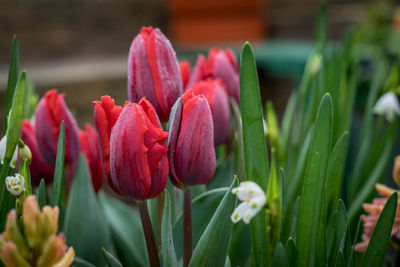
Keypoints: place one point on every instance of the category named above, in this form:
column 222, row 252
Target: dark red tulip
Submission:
column 38, row 168
column 185, row 72
column 90, row 147
column 50, row 112
column 191, row 142
column 138, row 153
column 106, row 114
column 153, row 71
column 219, row 64
column 215, row 93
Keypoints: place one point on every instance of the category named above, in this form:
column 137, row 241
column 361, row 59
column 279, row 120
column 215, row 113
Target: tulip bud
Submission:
column 138, row 154
column 219, row 64
column 51, row 111
column 216, row 96
column 90, row 147
column 191, row 141
column 185, row 72
column 153, row 71
column 106, row 114
column 38, row 168
column 396, row 171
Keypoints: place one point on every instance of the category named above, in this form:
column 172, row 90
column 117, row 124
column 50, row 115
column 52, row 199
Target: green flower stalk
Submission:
column 33, row 240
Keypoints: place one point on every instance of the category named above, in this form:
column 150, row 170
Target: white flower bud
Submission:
column 387, row 105
column 15, row 184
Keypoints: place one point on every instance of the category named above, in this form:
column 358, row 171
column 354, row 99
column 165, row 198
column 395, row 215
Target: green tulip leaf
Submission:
column 111, row 261
column 168, row 250
column 280, row 257
column 126, row 231
column 85, row 225
column 203, row 208
column 212, row 248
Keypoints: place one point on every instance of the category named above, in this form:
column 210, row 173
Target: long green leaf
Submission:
column 59, row 169
column 12, row 80
column 255, row 149
column 168, row 250
column 336, row 163
column 85, row 225
column 311, row 214
column 212, row 248
column 376, row 250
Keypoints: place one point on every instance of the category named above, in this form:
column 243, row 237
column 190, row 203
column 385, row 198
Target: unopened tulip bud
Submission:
column 51, row 111
column 191, row 142
column 153, row 71
column 15, row 184
column 220, row 64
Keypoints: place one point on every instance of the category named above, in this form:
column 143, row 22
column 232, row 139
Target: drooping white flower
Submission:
column 3, row 145
column 387, row 105
column 15, row 184
column 253, row 198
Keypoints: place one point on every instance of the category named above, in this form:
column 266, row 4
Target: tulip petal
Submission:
column 174, row 125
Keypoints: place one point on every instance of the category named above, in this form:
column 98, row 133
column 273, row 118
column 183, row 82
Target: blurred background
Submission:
column 81, row 47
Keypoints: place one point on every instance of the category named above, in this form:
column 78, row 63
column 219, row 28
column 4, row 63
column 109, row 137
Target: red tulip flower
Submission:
column 216, row 96
column 219, row 64
column 51, row 111
column 153, row 71
column 191, row 142
column 90, row 147
column 138, row 160
column 38, row 168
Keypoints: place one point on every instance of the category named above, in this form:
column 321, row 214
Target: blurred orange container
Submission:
column 222, row 21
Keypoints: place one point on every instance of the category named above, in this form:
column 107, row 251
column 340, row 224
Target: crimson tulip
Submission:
column 38, row 168
column 191, row 142
column 50, row 112
column 215, row 93
column 138, row 160
column 219, row 64
column 90, row 147
column 153, row 71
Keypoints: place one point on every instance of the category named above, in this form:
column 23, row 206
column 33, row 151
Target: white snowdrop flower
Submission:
column 15, row 184
column 3, row 145
column 253, row 198
column 387, row 105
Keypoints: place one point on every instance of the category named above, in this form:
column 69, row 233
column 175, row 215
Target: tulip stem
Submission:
column 187, row 227
column 149, row 234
